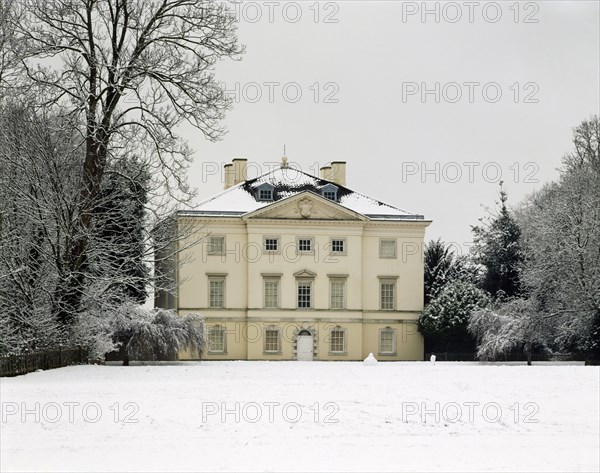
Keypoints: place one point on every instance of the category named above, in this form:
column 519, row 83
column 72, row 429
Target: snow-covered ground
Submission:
column 271, row 416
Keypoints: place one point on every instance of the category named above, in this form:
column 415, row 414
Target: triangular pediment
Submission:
column 305, row 273
column 305, row 206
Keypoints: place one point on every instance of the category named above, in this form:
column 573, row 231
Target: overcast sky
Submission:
column 362, row 67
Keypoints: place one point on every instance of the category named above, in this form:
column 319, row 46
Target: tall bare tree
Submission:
column 131, row 71
column 8, row 45
column 561, row 226
column 38, row 216
column 37, row 207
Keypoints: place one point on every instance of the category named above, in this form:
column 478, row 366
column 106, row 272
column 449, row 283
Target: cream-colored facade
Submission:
column 288, row 269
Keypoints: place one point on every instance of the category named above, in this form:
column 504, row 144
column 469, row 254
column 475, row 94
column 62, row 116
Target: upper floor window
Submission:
column 387, row 294
column 271, row 244
column 271, row 293
column 216, row 292
column 338, row 246
column 304, row 294
column 216, row 245
column 305, row 244
column 387, row 248
column 337, row 293
column 304, row 288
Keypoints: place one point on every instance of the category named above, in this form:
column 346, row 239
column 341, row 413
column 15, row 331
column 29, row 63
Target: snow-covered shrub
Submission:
column 506, row 326
column 159, row 334
column 95, row 329
column 140, row 333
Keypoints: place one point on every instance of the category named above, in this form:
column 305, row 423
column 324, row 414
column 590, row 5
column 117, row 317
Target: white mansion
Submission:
column 298, row 267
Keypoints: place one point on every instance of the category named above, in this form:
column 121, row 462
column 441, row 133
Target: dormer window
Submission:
column 331, row 195
column 265, row 192
column 330, row 192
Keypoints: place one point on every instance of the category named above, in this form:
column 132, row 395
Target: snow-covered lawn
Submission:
column 270, row 416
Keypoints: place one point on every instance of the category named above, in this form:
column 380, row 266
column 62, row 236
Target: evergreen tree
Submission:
column 498, row 249
column 438, row 261
column 445, row 320
column 442, row 266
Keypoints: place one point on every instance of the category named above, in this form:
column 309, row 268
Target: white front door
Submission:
column 305, row 348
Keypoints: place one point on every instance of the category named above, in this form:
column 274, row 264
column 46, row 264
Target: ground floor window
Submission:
column 272, row 342
column 387, row 341
column 337, row 340
column 216, row 339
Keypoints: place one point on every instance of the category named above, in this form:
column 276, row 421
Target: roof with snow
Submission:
column 242, row 198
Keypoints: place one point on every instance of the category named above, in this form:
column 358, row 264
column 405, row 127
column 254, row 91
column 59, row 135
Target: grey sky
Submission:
column 364, row 62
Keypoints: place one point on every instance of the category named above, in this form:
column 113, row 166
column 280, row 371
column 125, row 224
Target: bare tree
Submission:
column 9, row 49
column 38, row 214
column 37, row 194
column 131, row 71
column 561, row 229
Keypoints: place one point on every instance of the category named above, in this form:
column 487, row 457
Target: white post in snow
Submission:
column 432, row 359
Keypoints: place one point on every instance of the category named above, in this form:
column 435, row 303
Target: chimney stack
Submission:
column 228, row 175
column 236, row 172
column 335, row 173
column 338, row 172
column 326, row 173
column 240, row 170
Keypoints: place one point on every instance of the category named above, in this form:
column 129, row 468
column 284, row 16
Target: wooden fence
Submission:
column 14, row 365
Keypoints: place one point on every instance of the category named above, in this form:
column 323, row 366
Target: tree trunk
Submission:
column 528, row 351
column 71, row 290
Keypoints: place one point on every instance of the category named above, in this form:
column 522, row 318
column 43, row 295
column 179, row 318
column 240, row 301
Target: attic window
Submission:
column 330, row 192
column 331, row 195
column 265, row 192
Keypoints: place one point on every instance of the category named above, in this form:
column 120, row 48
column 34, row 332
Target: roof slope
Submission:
column 240, row 199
